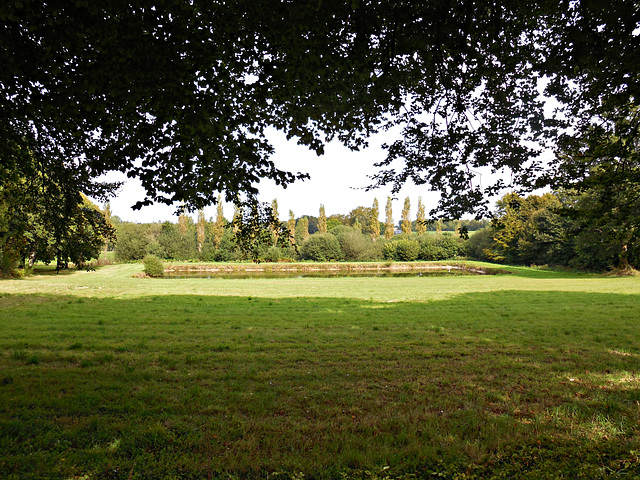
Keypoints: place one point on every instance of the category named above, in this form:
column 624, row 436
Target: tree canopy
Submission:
column 181, row 94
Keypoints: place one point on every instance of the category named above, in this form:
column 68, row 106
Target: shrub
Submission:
column 407, row 249
column 403, row 250
column 480, row 244
column 356, row 246
column 153, row 266
column 321, row 247
column 389, row 251
column 273, row 254
column 444, row 248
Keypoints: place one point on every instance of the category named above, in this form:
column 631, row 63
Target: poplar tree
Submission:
column 302, row 230
column 183, row 223
column 388, row 226
column 291, row 226
column 375, row 222
column 322, row 220
column 275, row 230
column 438, row 228
column 406, row 218
column 421, row 220
column 305, row 229
column 200, row 229
column 237, row 217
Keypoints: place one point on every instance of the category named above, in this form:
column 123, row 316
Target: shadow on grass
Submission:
column 537, row 272
column 503, row 384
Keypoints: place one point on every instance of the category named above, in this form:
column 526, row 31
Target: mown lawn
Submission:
column 530, row 375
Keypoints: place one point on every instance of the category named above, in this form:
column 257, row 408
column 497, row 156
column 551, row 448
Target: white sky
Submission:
column 337, row 180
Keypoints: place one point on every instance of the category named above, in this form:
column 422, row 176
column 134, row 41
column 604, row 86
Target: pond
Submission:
column 253, row 274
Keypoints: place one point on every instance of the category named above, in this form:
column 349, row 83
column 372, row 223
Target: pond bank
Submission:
column 302, row 268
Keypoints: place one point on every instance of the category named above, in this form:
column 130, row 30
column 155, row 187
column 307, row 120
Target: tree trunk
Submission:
column 623, row 259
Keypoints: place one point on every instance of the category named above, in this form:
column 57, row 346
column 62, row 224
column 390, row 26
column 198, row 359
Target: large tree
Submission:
column 602, row 172
column 43, row 219
column 181, row 94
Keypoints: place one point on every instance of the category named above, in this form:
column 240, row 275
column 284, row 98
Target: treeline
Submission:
column 358, row 236
column 561, row 230
column 341, row 243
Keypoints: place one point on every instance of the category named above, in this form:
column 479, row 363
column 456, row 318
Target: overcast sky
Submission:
column 337, row 181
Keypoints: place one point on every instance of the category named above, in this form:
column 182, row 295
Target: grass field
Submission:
column 534, row 374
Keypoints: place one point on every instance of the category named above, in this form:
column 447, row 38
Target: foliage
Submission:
column 445, row 247
column 254, row 226
column 276, row 228
column 313, row 223
column 201, row 226
column 302, row 230
column 85, row 235
column 405, row 223
column 421, row 218
column 356, row 246
column 336, row 220
column 274, row 254
column 217, row 228
column 374, row 221
column 460, row 80
column 363, row 216
column 561, row 229
column 42, row 219
column 321, row 247
column 423, row 247
column 322, row 220
column 153, row 266
column 291, row 228
column 601, row 171
column 514, row 216
column 177, row 243
column 441, row 225
column 388, row 224
column 479, row 245
column 403, row 249
column 132, row 243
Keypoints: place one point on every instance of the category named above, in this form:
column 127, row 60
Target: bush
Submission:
column 273, row 254
column 480, row 244
column 153, row 266
column 321, row 247
column 356, row 246
column 403, row 250
column 389, row 251
column 407, row 250
column 443, row 248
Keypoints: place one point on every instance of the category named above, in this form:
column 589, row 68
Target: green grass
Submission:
column 527, row 375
